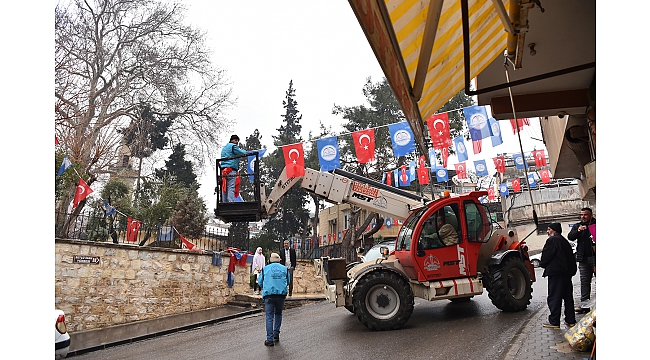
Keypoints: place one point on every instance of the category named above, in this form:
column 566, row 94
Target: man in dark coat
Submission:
column 559, row 266
column 585, row 255
column 288, row 256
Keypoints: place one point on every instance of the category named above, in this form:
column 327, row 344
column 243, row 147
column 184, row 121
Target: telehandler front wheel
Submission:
column 509, row 285
column 383, row 300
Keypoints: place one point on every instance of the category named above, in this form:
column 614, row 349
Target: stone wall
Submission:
column 132, row 283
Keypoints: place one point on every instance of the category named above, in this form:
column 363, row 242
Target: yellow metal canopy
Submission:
column 419, row 45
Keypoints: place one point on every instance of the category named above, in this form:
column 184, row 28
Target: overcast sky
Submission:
column 320, row 46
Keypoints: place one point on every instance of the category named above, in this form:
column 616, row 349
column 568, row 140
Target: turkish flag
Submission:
column 389, row 177
column 461, row 170
column 518, row 125
column 444, row 155
column 364, row 145
column 132, row 229
column 477, row 145
column 500, row 164
column 423, row 171
column 294, row 160
column 490, row 193
column 438, row 125
column 403, row 177
column 83, row 190
column 190, row 246
column 540, row 158
column 516, row 185
column 423, row 175
column 545, row 175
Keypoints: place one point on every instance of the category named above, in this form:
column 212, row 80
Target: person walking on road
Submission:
column 559, row 266
column 288, row 256
column 273, row 279
column 585, row 255
column 258, row 263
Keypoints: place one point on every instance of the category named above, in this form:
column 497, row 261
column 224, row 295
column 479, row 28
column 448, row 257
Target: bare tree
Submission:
column 112, row 57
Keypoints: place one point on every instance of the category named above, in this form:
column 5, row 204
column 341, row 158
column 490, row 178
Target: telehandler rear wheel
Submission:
column 383, row 300
column 509, row 285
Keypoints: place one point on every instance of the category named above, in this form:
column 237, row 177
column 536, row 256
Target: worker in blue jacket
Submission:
column 229, row 168
column 273, row 280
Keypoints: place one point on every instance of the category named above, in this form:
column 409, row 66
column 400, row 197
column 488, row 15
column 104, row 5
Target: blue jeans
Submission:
column 230, row 188
column 273, row 307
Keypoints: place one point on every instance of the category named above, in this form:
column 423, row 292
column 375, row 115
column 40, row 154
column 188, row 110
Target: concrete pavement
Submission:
column 533, row 341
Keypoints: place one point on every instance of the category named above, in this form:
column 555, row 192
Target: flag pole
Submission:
column 521, row 148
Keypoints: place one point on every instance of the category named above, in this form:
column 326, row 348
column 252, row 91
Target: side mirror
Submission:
column 384, row 252
column 360, row 250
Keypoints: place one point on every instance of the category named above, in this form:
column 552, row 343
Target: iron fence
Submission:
column 114, row 228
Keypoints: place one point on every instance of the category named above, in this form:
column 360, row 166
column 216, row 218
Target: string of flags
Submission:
column 133, row 225
column 480, row 126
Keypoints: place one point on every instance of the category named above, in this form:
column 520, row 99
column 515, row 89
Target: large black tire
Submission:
column 383, row 300
column 509, row 285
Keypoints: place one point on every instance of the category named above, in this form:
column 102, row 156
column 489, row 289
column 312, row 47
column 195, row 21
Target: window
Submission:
column 440, row 229
column 478, row 226
column 405, row 233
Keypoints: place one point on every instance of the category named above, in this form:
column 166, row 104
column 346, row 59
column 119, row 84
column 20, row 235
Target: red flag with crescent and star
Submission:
column 490, row 193
column 545, row 175
column 190, row 246
column 477, row 146
column 389, row 178
column 83, row 190
column 500, row 164
column 516, row 185
column 444, row 155
column 461, row 170
column 518, row 125
column 540, row 158
column 423, row 171
column 438, row 125
column 364, row 145
column 294, row 160
column 132, row 229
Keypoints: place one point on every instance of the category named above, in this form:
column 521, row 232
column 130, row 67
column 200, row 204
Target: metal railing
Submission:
column 90, row 227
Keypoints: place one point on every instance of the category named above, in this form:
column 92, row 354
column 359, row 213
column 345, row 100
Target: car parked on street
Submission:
column 61, row 336
column 535, row 259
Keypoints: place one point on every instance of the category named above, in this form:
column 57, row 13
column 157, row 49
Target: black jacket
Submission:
column 584, row 242
column 557, row 257
column 292, row 257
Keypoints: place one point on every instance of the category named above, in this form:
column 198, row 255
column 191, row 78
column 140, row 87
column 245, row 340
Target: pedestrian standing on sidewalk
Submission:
column 258, row 263
column 585, row 255
column 288, row 256
column 273, row 279
column 559, row 266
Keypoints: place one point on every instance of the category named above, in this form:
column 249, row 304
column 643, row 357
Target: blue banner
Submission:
column 442, row 175
column 519, row 161
column 503, row 189
column 481, row 168
column 250, row 168
column 477, row 122
column 531, row 180
column 402, row 138
column 496, row 132
column 461, row 150
column 328, row 153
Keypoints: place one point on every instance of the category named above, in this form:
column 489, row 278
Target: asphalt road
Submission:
column 436, row 329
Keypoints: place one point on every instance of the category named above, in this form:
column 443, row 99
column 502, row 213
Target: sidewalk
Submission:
column 535, row 342
column 96, row 339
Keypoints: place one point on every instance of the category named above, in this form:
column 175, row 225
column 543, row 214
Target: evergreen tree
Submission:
column 179, row 169
column 292, row 214
column 189, row 216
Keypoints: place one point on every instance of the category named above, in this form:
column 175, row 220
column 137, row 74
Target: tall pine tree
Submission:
column 292, row 215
